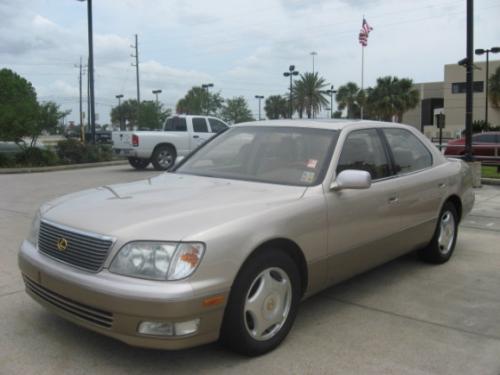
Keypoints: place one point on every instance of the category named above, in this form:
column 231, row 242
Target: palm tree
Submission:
column 391, row 97
column 276, row 106
column 494, row 88
column 309, row 95
column 349, row 96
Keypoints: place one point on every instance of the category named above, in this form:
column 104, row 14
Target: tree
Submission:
column 347, row 97
column 391, row 97
column 308, row 94
column 236, row 110
column 494, row 88
column 276, row 106
column 199, row 101
column 48, row 116
column 18, row 106
column 151, row 115
column 127, row 111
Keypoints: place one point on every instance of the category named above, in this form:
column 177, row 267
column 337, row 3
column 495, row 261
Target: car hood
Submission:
column 167, row 207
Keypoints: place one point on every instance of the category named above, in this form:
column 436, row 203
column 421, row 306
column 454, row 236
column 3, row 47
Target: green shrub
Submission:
column 6, row 160
column 36, row 157
column 73, row 151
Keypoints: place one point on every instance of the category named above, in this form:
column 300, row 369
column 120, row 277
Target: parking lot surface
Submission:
column 405, row 317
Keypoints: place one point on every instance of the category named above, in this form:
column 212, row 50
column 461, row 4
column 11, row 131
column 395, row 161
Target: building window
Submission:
column 460, row 87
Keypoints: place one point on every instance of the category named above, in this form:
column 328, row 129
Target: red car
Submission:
column 485, row 147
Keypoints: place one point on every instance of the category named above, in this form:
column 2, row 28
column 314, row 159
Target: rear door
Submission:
column 178, row 134
column 200, row 132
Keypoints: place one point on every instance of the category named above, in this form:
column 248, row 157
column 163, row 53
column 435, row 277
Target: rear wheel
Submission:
column 138, row 163
column 443, row 242
column 263, row 304
column 163, row 157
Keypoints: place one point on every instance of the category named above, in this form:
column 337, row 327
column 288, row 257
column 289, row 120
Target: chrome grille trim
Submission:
column 88, row 313
column 87, row 251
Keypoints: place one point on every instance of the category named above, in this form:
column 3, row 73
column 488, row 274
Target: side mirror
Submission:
column 352, row 179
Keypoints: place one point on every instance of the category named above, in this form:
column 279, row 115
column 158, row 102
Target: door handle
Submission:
column 196, row 136
column 393, row 200
column 442, row 185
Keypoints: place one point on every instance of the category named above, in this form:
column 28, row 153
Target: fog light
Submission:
column 156, row 328
column 169, row 328
column 187, row 328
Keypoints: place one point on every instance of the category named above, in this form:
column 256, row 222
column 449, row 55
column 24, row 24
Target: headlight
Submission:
column 34, row 229
column 158, row 260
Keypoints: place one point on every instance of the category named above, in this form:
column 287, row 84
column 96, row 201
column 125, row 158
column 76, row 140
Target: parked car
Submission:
column 181, row 135
column 228, row 242
column 485, row 147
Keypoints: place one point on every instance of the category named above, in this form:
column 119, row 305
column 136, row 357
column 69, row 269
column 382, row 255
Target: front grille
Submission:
column 90, row 314
column 82, row 250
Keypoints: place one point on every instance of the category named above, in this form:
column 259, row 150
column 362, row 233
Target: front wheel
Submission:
column 263, row 304
column 443, row 242
column 163, row 157
column 138, row 163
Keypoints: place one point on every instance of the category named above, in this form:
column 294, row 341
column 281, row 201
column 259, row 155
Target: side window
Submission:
column 176, row 124
column 409, row 153
column 484, row 138
column 216, row 125
column 200, row 125
column 363, row 150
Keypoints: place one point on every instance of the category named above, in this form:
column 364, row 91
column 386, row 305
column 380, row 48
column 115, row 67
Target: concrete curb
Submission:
column 61, row 167
column 490, row 181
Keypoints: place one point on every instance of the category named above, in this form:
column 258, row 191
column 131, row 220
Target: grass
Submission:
column 489, row 172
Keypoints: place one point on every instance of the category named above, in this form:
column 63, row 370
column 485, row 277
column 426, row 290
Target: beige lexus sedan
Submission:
column 229, row 242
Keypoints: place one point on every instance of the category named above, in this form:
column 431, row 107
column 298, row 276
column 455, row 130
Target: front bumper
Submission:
column 115, row 305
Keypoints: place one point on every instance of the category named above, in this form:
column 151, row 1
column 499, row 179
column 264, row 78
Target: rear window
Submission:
column 217, row 126
column 176, row 124
column 485, row 138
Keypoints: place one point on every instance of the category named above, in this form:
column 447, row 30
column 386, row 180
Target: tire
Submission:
column 263, row 304
column 444, row 240
column 163, row 157
column 138, row 163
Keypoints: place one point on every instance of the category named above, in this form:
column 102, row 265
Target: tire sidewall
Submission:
column 234, row 333
column 156, row 153
column 435, row 254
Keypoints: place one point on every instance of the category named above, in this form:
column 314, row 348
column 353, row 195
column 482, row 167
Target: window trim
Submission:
column 393, row 168
column 384, row 146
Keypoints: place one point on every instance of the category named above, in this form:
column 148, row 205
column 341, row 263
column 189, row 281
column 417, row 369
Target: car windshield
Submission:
column 280, row 155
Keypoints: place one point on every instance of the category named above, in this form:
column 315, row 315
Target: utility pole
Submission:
column 136, row 47
column 259, row 98
column 80, row 73
column 469, row 80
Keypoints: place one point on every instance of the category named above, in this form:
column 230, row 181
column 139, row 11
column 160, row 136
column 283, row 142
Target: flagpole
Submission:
column 362, row 74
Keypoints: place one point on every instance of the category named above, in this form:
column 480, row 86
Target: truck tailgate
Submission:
column 122, row 139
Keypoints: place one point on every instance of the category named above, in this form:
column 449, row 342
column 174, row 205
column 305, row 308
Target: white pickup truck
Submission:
column 181, row 135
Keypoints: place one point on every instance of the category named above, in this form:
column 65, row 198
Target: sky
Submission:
column 242, row 47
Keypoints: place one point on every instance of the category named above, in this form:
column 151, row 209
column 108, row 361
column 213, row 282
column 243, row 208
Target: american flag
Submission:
column 363, row 33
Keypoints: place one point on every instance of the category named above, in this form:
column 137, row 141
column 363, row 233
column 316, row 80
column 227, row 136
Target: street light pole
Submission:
column 91, row 70
column 259, row 98
column 481, row 51
column 156, row 92
column 313, row 53
column 291, row 72
column 330, row 92
column 206, row 86
column 119, row 97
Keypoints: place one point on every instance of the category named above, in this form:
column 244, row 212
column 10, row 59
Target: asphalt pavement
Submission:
column 405, row 317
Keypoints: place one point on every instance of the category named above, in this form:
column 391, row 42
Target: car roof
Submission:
column 334, row 124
